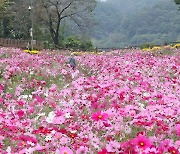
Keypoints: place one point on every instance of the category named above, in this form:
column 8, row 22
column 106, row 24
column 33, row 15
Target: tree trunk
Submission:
column 54, row 32
column 56, row 40
column 6, row 31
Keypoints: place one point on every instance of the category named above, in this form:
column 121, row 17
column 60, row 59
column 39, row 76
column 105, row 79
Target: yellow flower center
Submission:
column 173, row 151
column 23, row 143
column 65, row 152
column 141, row 143
column 99, row 116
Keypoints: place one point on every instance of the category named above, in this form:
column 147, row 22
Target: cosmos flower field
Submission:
column 117, row 103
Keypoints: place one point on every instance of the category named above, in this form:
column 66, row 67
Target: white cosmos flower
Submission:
column 73, row 76
column 30, row 96
column 46, row 93
column 71, row 102
column 41, row 114
column 141, row 106
column 146, row 94
column 24, row 97
column 30, row 143
column 48, row 138
column 30, row 150
column 31, row 73
column 8, row 150
column 66, row 86
column 53, row 132
column 62, row 103
column 74, row 131
column 68, row 115
column 50, row 117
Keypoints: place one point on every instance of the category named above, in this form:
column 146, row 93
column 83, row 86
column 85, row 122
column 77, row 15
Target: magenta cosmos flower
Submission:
column 173, row 150
column 20, row 113
column 65, row 150
column 100, row 116
column 177, row 128
column 142, row 142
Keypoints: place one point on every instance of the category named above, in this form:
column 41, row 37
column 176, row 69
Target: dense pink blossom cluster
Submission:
column 110, row 104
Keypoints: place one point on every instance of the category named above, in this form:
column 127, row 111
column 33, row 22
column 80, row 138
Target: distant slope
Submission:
column 133, row 22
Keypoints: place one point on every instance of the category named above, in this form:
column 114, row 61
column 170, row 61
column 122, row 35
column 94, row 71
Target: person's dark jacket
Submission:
column 72, row 62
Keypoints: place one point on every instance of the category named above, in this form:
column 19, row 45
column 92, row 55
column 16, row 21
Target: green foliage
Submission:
column 5, row 18
column 78, row 43
column 123, row 23
column 146, row 45
column 86, row 45
column 177, row 2
column 49, row 26
column 120, row 23
column 48, row 45
column 72, row 42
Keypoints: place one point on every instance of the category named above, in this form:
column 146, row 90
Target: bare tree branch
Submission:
column 55, row 11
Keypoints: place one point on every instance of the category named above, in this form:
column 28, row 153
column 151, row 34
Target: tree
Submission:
column 21, row 19
column 1, row 1
column 121, row 23
column 53, row 12
column 177, row 2
column 5, row 18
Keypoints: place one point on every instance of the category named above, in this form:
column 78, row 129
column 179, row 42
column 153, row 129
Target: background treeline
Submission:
column 58, row 23
column 113, row 23
column 126, row 22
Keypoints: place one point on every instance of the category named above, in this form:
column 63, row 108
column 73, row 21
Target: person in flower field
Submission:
column 72, row 62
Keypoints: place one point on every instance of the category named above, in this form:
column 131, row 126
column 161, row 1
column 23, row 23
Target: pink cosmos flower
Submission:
column 103, row 151
column 164, row 145
column 121, row 96
column 26, row 138
column 1, row 88
column 8, row 96
column 58, row 120
column 39, row 147
column 113, row 146
column 142, row 142
column 173, row 150
column 18, row 91
column 20, row 103
column 31, row 110
column 53, row 88
column 65, row 150
column 20, row 113
column 39, row 99
column 100, row 116
column 177, row 143
column 1, row 138
column 81, row 150
column 57, row 136
column 1, row 100
column 177, row 128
